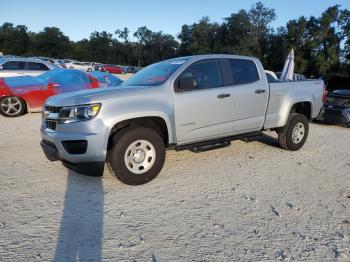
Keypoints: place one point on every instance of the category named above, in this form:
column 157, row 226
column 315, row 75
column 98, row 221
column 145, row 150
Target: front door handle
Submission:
column 221, row 96
column 260, row 91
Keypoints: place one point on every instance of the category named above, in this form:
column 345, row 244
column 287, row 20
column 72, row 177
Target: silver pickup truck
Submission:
column 196, row 103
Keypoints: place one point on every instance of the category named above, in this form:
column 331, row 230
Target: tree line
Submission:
column 321, row 44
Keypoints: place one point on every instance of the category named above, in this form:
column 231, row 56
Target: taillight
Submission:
column 325, row 95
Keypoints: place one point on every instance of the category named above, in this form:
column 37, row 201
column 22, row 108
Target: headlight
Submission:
column 78, row 113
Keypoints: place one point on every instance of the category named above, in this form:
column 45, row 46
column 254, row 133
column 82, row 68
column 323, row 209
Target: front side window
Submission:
column 201, row 75
column 37, row 66
column 13, row 65
column 243, row 71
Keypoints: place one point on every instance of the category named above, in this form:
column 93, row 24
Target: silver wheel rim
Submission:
column 298, row 133
column 11, row 106
column 140, row 156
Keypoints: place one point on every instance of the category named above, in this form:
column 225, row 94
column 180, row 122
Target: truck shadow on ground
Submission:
column 81, row 228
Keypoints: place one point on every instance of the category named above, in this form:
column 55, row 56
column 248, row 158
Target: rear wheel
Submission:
column 137, row 155
column 294, row 134
column 12, row 106
column 89, row 70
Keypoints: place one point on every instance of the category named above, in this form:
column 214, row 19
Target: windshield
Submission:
column 155, row 74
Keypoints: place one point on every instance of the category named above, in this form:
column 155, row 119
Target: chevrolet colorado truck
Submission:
column 195, row 103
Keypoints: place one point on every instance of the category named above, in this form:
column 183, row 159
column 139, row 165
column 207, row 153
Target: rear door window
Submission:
column 13, row 65
column 37, row 66
column 243, row 71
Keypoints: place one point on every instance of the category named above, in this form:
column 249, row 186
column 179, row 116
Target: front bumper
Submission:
column 336, row 115
column 93, row 137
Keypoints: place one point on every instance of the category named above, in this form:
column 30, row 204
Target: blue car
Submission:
column 106, row 79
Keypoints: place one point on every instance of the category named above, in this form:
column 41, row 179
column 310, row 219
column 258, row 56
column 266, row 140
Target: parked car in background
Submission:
column 132, row 69
column 24, row 66
column 19, row 95
column 198, row 103
column 336, row 109
column 98, row 66
column 79, row 66
column 106, row 79
column 114, row 69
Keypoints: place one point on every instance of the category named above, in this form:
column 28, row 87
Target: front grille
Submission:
column 334, row 116
column 339, row 101
column 53, row 109
column 51, row 124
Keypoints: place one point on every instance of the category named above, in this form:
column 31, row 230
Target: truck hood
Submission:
column 89, row 96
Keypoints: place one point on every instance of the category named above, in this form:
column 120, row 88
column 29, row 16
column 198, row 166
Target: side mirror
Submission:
column 186, row 84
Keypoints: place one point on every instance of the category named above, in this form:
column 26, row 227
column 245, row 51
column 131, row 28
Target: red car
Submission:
column 22, row 94
column 112, row 69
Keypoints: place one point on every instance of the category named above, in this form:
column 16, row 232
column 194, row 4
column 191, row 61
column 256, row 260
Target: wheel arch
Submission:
column 156, row 122
column 304, row 108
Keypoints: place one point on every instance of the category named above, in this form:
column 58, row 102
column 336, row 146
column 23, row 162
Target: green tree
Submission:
column 123, row 34
column 50, row 42
column 14, row 40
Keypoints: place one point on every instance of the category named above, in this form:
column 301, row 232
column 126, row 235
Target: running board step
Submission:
column 214, row 144
column 208, row 147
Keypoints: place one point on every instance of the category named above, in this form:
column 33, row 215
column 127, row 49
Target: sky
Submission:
column 79, row 18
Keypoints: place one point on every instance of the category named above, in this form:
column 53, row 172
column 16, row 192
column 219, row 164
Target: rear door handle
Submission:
column 221, row 96
column 260, row 91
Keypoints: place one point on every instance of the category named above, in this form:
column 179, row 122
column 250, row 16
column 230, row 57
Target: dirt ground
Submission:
column 250, row 201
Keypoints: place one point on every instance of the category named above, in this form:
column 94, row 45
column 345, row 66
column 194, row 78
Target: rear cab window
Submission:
column 243, row 71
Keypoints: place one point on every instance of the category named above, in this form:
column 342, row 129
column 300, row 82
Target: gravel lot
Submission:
column 250, row 201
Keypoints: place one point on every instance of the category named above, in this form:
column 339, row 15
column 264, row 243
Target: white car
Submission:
column 80, row 66
column 16, row 66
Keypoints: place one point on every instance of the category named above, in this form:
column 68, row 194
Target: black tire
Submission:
column 20, row 110
column 116, row 161
column 89, row 70
column 285, row 134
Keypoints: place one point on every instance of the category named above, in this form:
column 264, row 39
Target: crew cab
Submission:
column 196, row 103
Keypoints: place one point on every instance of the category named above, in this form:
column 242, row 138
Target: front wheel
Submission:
column 12, row 106
column 137, row 155
column 294, row 134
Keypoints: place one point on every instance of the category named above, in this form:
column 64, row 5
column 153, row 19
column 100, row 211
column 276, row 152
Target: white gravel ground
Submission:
column 250, row 201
